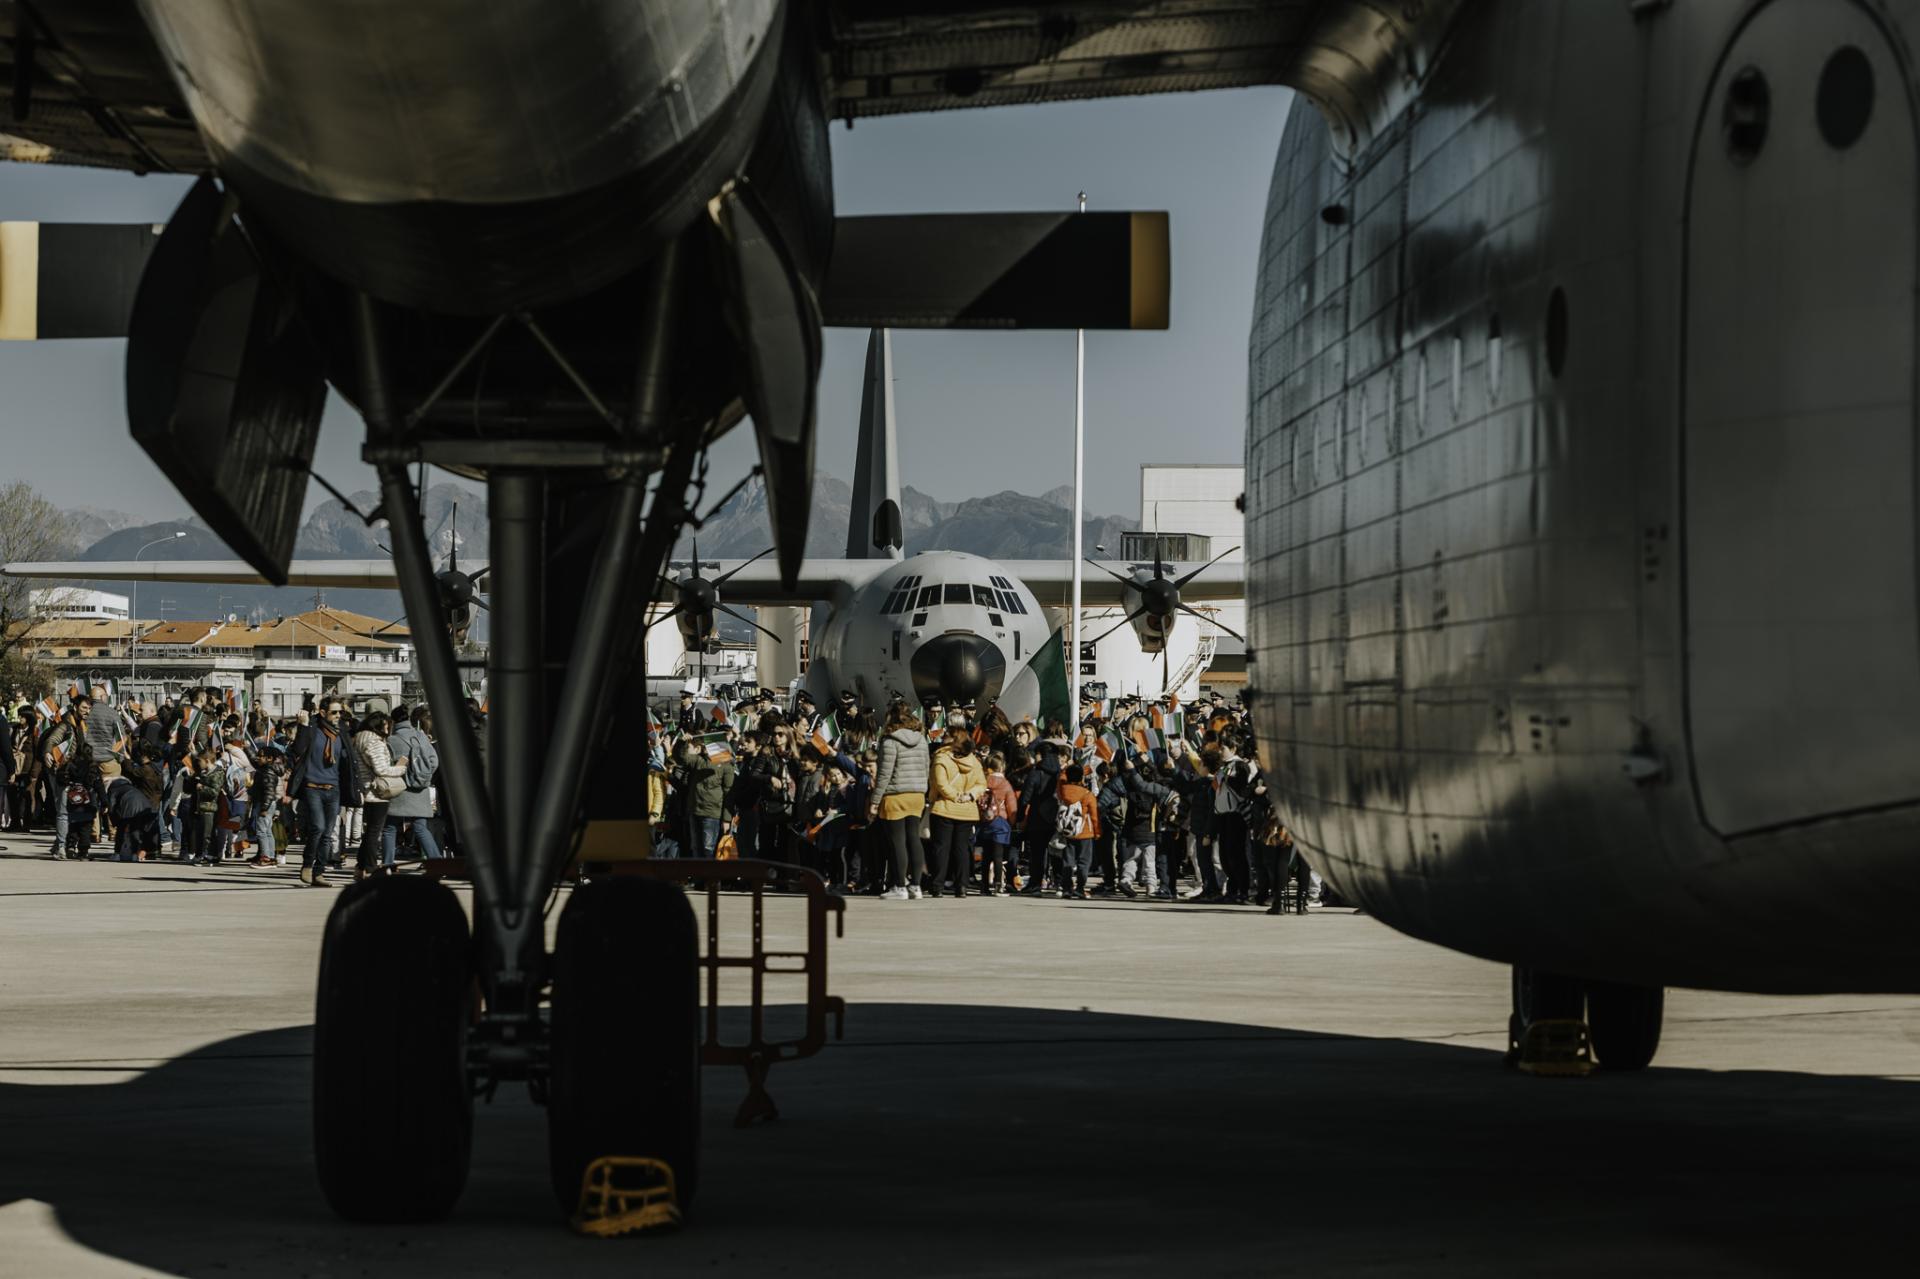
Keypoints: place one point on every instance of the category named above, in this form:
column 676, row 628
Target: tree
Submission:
column 31, row 528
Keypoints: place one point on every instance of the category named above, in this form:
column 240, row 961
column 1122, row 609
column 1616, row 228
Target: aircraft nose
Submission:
column 958, row 668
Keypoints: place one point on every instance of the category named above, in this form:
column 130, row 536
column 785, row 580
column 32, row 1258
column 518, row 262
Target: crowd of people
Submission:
column 201, row 782
column 900, row 802
column 910, row 802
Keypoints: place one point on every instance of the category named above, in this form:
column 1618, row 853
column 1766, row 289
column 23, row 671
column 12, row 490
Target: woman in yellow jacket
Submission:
column 957, row 787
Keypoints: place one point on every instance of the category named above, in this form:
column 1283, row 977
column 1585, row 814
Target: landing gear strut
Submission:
column 1564, row 1026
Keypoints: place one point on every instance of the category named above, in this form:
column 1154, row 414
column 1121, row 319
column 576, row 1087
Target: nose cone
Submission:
column 958, row 668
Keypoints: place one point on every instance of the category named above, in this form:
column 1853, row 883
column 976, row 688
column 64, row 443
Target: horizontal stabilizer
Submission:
column 70, row 279
column 999, row 271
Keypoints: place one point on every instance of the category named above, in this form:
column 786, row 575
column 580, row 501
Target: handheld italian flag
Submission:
column 48, row 708
column 825, row 734
column 1147, row 739
column 716, row 748
column 1107, row 747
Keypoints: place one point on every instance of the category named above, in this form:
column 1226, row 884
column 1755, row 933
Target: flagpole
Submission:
column 1079, row 463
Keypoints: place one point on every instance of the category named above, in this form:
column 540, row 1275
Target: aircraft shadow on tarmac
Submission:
column 966, row 1140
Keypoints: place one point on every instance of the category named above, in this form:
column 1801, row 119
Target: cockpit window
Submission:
column 929, row 596
column 984, row 597
column 1009, row 597
column 900, row 595
column 957, row 593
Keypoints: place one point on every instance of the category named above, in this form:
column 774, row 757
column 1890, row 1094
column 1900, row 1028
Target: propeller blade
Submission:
column 481, row 605
column 480, row 577
column 776, row 321
column 453, row 541
column 1109, row 572
column 1216, row 626
column 1204, row 567
column 742, row 564
column 1166, row 669
column 1128, row 620
column 739, row 616
column 669, row 615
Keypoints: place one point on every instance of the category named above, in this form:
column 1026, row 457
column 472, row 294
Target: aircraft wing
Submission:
column 1051, row 581
column 97, row 91
column 370, row 574
column 887, row 57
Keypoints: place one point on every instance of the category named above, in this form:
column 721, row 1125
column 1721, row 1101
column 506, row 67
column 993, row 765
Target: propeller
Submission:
column 697, row 599
column 1160, row 599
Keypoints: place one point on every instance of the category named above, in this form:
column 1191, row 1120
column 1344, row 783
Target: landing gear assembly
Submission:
column 1563, row 1026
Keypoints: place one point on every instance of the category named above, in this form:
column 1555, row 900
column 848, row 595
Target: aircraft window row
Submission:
column 907, row 595
column 901, row 596
column 1009, row 598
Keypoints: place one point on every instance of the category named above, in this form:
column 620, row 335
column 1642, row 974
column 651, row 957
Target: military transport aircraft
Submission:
column 1583, row 612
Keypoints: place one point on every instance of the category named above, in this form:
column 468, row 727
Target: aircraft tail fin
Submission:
column 874, row 528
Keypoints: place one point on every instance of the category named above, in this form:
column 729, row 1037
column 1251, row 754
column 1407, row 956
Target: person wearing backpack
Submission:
column 996, row 827
column 1078, row 826
column 233, row 809
column 382, row 779
column 412, row 809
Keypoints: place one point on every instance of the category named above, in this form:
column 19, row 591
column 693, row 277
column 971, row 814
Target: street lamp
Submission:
column 133, row 640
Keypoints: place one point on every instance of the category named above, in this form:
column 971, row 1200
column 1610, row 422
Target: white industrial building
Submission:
column 78, row 603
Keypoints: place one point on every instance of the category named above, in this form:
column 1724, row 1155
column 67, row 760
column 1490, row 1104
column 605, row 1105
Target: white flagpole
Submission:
column 1079, row 462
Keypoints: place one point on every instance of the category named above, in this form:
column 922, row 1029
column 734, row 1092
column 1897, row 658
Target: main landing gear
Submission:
column 1564, row 1026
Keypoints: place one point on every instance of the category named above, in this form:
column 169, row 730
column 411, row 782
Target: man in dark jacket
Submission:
column 1039, row 811
column 320, row 774
column 1147, row 801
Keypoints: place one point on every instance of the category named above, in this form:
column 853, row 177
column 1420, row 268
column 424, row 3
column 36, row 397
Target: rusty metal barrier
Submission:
column 759, row 1054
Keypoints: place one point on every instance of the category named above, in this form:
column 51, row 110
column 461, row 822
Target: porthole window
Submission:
column 1746, row 115
column 1495, row 363
column 1844, row 103
column 1459, row 366
column 1556, row 332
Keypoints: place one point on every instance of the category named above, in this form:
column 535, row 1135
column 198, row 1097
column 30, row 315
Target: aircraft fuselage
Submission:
column 1581, row 505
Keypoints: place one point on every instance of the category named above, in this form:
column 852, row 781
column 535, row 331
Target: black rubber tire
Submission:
column 1539, row 996
column 1623, row 1023
column 392, row 1109
column 625, row 1043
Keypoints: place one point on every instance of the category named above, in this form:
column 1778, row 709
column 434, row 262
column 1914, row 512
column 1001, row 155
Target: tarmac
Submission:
column 1026, row 1087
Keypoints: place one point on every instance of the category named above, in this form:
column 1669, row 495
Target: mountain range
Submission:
column 1005, row 525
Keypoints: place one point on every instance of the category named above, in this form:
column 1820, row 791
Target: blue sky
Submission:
column 978, row 412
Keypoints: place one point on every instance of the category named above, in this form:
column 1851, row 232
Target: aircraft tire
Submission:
column 1623, row 1023
column 1539, row 996
column 392, row 1109
column 625, row 1044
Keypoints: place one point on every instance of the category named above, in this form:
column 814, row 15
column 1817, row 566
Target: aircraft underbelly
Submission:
column 1576, row 646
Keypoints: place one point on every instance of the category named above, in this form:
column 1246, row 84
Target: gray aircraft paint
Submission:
column 1585, row 630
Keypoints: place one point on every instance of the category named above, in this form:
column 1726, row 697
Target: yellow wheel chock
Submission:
column 626, row 1195
column 1556, row 1046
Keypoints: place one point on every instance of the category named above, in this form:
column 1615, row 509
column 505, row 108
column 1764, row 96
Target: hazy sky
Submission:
column 978, row 412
